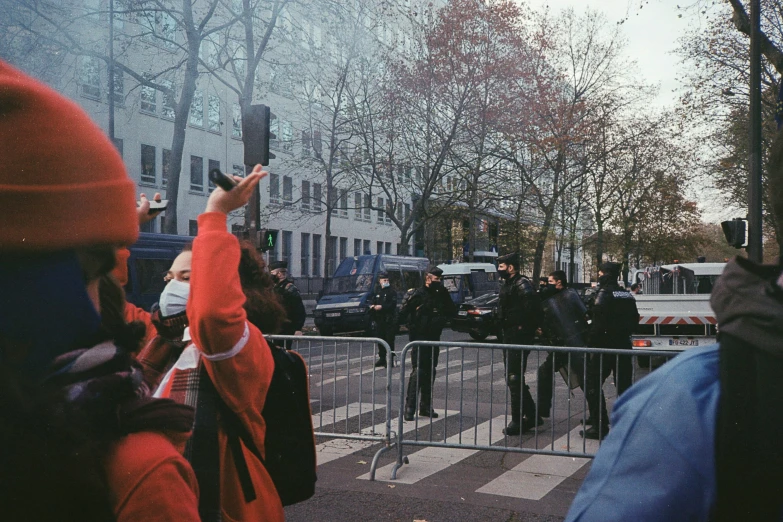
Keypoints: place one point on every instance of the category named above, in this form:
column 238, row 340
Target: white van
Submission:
column 470, row 280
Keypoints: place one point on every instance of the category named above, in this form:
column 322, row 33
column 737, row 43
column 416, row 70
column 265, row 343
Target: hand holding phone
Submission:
column 223, row 181
column 156, row 206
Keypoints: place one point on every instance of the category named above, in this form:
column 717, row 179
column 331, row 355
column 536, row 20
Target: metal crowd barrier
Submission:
column 472, row 398
column 348, row 387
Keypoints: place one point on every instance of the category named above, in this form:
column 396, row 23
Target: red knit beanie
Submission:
column 62, row 183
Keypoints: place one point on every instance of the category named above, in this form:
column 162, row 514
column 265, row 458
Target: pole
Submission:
column 754, row 182
column 111, row 70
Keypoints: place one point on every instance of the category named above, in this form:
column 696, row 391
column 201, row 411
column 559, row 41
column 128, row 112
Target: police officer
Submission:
column 382, row 310
column 426, row 310
column 614, row 317
column 519, row 313
column 291, row 298
column 564, row 323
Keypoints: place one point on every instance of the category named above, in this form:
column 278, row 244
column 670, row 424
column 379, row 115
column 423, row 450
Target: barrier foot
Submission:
column 377, row 456
column 398, row 466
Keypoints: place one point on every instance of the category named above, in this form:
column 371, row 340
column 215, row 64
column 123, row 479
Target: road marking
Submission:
column 537, row 475
column 341, row 413
column 429, row 461
column 338, row 448
column 470, row 373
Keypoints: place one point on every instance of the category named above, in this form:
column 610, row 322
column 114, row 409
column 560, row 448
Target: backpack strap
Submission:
column 748, row 455
column 236, row 433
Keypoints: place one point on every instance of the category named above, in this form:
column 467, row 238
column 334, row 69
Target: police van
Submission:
column 466, row 281
column 150, row 258
column 345, row 303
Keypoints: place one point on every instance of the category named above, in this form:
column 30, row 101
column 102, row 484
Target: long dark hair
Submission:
column 263, row 306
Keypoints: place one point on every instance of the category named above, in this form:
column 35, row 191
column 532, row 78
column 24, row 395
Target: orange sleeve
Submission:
column 236, row 354
column 151, row 481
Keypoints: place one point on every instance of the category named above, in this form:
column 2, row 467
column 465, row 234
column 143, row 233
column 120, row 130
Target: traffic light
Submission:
column 268, row 239
column 256, row 135
column 736, row 232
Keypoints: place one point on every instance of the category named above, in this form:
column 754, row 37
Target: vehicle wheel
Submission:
column 325, row 332
column 478, row 335
column 643, row 361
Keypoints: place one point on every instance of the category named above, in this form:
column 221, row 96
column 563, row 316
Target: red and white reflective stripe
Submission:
column 677, row 319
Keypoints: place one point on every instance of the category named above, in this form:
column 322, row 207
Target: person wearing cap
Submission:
column 519, row 312
column 383, row 308
column 614, row 317
column 81, row 438
column 291, row 299
column 426, row 310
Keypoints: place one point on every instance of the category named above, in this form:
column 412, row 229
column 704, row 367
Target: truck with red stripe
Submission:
column 674, row 306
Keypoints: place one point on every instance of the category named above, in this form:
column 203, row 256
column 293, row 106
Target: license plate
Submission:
column 683, row 342
column 333, row 314
column 462, row 312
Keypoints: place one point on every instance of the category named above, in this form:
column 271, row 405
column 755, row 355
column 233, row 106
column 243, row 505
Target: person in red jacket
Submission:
column 80, row 439
column 231, row 298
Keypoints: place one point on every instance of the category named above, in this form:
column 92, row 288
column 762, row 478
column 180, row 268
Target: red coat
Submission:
column 150, row 480
column 237, row 359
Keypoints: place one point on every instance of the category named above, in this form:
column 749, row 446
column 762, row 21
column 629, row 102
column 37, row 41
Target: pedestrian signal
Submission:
column 736, row 232
column 268, row 240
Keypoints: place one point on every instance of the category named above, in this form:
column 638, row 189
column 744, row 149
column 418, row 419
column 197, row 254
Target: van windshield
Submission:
column 354, row 275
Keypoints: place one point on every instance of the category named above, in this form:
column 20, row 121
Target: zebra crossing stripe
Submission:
column 341, row 413
column 336, row 448
column 537, row 475
column 429, row 461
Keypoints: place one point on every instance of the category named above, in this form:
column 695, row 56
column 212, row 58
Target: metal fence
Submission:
column 469, row 389
column 350, row 391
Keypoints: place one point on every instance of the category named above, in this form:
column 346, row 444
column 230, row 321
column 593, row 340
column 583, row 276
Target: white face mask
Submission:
column 174, row 298
column 384, row 285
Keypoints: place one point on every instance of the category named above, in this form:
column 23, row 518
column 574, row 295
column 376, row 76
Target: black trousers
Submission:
column 384, row 330
column 546, row 375
column 515, row 361
column 599, row 367
column 424, row 361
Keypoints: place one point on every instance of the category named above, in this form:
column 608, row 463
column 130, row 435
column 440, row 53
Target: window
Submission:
column 274, row 189
column 343, row 248
column 196, row 173
column 274, row 129
column 366, row 247
column 288, row 190
column 149, row 98
column 380, row 212
column 306, row 144
column 399, row 211
column 287, row 244
column 387, row 247
column 357, row 247
column 197, row 110
column 287, row 136
column 236, row 120
column 343, row 203
column 167, row 28
column 379, row 247
column 317, row 197
column 357, row 206
column 316, row 255
column 331, row 254
column 118, row 87
column 305, row 195
column 367, row 209
column 192, row 227
column 213, row 113
column 305, row 252
column 317, row 143
column 147, row 163
column 212, row 164
column 91, row 77
column 389, row 211
column 164, row 170
column 167, row 111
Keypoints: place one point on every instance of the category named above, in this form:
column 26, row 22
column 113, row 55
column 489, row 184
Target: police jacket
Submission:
column 427, row 309
column 387, row 298
column 614, row 315
column 294, row 307
column 519, row 305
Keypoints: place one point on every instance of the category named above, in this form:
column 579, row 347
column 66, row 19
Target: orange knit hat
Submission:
column 62, row 182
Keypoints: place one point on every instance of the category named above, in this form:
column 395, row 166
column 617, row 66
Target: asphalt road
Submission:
column 348, row 395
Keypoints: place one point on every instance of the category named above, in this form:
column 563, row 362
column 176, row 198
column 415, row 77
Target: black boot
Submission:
column 381, row 363
column 410, row 397
column 425, row 402
column 593, row 433
column 514, row 427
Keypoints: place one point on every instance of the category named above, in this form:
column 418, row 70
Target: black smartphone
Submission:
column 223, row 181
column 156, row 206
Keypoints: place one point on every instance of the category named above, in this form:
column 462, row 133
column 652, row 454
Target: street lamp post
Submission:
column 754, row 181
column 111, row 70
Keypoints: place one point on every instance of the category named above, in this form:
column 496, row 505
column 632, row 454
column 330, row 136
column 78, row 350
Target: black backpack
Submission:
column 290, row 442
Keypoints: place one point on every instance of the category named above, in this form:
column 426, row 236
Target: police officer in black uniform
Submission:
column 426, row 310
column 519, row 313
column 291, row 299
column 383, row 308
column 614, row 316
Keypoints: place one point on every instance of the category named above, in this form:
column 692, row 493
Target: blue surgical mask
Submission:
column 385, row 285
